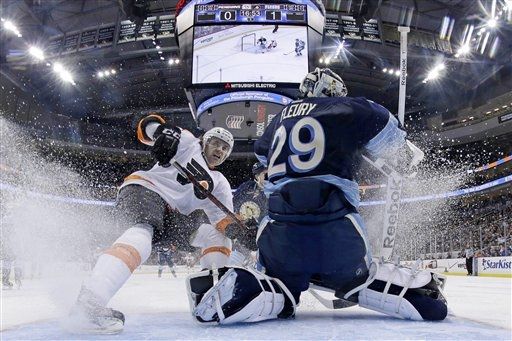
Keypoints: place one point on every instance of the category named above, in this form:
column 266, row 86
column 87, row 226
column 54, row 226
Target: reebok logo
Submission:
column 392, row 212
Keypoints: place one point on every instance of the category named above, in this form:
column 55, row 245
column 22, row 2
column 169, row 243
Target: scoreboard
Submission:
column 251, row 13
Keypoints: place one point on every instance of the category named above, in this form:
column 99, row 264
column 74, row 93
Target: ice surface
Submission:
column 157, row 308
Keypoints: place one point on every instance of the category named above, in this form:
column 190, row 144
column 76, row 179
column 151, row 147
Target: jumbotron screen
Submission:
column 249, row 53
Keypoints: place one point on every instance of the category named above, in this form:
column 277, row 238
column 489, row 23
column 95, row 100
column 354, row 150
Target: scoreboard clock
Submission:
column 251, row 13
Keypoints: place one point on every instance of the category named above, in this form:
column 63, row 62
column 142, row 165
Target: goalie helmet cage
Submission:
column 247, row 39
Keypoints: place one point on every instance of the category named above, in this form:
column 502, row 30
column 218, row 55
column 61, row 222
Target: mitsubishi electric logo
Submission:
column 250, row 86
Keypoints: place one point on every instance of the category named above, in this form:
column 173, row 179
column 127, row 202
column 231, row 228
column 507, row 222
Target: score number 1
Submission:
column 227, row 15
column 273, row 15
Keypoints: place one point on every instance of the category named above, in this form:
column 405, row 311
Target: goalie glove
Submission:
column 167, row 138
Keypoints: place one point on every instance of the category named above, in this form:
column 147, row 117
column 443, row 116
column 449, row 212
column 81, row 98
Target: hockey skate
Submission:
column 6, row 285
column 89, row 317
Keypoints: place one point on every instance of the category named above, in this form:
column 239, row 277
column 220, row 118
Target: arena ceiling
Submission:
column 143, row 81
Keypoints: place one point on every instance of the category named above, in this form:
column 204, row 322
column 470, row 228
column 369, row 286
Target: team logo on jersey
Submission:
column 204, row 184
column 201, row 175
column 235, row 121
column 250, row 209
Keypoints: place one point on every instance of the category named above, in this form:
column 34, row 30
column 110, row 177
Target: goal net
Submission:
column 248, row 41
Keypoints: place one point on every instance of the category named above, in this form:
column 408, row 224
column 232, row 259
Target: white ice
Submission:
column 157, row 308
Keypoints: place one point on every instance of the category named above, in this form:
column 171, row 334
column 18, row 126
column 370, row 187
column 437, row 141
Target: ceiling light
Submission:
column 171, row 61
column 162, row 58
column 385, row 69
column 36, row 52
column 101, row 74
column 9, row 26
column 397, row 73
column 321, row 60
column 107, row 73
column 63, row 73
column 158, row 47
column 492, row 23
column 113, row 71
column 464, row 49
column 176, row 61
column 391, row 71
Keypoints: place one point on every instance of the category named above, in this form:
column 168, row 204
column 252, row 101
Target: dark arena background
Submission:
column 78, row 75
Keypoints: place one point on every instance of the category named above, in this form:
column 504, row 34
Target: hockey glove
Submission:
column 167, row 139
column 246, row 235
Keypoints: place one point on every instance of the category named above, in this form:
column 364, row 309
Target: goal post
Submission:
column 247, row 40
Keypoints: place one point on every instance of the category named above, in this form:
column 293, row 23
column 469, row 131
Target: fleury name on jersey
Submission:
column 297, row 109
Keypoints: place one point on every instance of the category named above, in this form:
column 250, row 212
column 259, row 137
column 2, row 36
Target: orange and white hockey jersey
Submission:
column 178, row 191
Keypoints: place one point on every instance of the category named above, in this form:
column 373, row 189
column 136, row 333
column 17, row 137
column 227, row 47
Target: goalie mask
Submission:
column 217, row 146
column 322, row 83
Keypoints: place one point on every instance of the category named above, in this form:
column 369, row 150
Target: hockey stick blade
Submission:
column 338, row 303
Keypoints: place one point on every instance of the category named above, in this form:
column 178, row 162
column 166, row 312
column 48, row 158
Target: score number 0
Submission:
column 228, row 15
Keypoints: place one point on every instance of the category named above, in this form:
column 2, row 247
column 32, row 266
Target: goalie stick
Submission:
column 337, row 303
column 395, row 180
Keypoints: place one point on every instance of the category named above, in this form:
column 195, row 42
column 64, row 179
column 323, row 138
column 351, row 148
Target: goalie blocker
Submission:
column 235, row 294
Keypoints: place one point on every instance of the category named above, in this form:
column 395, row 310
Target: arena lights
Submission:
column 106, row 73
column 36, row 52
column 463, row 50
column 174, row 61
column 64, row 74
column 435, row 73
column 391, row 71
column 9, row 26
column 492, row 23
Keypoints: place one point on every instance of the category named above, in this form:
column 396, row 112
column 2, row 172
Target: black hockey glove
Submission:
column 246, row 235
column 167, row 139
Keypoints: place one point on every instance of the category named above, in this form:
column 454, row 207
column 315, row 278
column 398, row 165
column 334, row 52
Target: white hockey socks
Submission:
column 117, row 263
column 215, row 246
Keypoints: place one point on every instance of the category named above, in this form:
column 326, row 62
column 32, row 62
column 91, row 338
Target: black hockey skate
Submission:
column 89, row 317
column 6, row 285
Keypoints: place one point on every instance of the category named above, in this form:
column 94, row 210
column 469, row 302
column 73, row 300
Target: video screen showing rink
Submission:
column 249, row 53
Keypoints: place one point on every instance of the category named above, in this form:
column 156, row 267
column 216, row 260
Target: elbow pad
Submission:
column 147, row 127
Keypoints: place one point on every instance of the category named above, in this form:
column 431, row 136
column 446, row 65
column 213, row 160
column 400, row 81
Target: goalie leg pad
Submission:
column 406, row 293
column 245, row 295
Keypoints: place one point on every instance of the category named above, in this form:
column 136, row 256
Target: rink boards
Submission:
column 482, row 266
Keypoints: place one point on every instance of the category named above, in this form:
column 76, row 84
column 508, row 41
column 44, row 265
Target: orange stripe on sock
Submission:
column 127, row 254
column 221, row 249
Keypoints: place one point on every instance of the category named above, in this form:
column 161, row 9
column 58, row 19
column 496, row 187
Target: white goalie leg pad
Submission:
column 215, row 246
column 386, row 304
column 405, row 278
column 266, row 305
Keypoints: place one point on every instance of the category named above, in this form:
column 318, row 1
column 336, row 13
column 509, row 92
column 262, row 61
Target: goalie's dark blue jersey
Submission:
column 324, row 138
